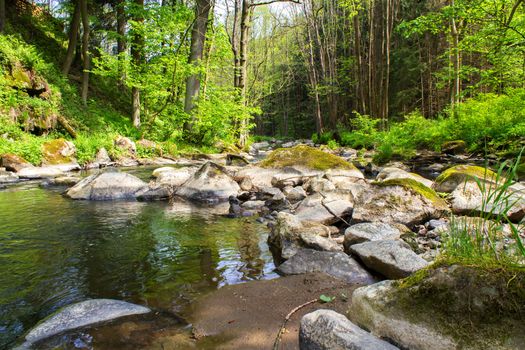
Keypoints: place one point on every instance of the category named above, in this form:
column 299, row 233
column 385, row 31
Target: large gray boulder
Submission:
column 82, row 314
column 314, row 241
column 336, row 264
column 329, row 330
column 210, row 184
column 8, row 177
column 285, row 237
column 468, row 198
column 372, row 308
column 107, row 186
column 173, row 177
column 370, row 231
column 392, row 259
column 324, row 210
column 403, row 201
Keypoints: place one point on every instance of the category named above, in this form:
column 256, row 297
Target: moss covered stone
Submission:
column 451, row 178
column 58, row 151
column 461, row 300
column 416, row 187
column 520, row 171
column 454, row 147
column 305, row 156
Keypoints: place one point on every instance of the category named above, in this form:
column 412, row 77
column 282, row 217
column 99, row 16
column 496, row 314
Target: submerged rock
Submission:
column 82, row 314
column 210, row 184
column 107, row 186
column 393, row 259
column 329, row 330
column 336, row 264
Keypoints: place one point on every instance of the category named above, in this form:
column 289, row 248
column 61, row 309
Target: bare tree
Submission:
column 73, row 35
column 85, row 49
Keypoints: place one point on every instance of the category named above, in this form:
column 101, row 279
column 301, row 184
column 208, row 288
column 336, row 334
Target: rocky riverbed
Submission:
column 336, row 229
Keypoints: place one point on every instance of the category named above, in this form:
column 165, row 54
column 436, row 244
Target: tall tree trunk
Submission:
column 73, row 35
column 121, row 38
column 198, row 38
column 85, row 49
column 2, row 15
column 137, row 54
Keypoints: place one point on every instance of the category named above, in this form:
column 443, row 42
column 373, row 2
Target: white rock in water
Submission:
column 83, row 314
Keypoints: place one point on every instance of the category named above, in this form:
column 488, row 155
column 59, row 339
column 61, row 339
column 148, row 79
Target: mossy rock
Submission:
column 58, row 151
column 305, row 156
column 451, row 178
column 520, row 171
column 415, row 187
column 462, row 300
column 454, row 147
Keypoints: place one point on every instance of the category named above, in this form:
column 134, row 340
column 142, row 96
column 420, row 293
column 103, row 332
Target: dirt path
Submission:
column 249, row 316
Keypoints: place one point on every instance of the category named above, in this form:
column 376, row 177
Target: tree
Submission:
column 2, row 15
column 137, row 55
column 73, row 35
column 85, row 49
column 198, row 38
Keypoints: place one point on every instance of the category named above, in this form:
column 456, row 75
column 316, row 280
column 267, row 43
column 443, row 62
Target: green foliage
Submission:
column 326, row 299
column 477, row 240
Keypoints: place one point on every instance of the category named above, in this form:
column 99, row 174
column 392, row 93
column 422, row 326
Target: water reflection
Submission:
column 55, row 251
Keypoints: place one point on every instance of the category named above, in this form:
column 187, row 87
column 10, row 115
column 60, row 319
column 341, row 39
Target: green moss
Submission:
column 305, row 156
column 414, row 186
column 520, row 171
column 461, row 300
column 466, row 171
column 52, row 152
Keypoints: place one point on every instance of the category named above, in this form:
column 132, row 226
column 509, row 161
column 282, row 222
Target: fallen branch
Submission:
column 283, row 326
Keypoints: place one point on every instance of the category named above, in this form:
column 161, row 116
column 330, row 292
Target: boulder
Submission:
column 8, row 177
column 101, row 160
column 173, row 177
column 369, row 310
column 259, row 177
column 253, row 205
column 326, row 211
column 392, row 259
column 12, row 162
column 335, row 264
column 403, row 201
column 454, row 147
column 343, row 175
column 125, row 144
column 284, row 239
column 83, row 314
column 447, row 307
column 469, row 199
column 154, row 192
column 370, row 231
column 317, row 242
column 209, row 184
column 58, row 151
column 329, row 330
column 107, row 186
column 451, row 178
column 294, row 194
column 316, row 185
column 394, row 173
column 305, row 156
column 40, row 172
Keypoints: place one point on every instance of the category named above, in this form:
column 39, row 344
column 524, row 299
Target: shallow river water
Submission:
column 55, row 251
